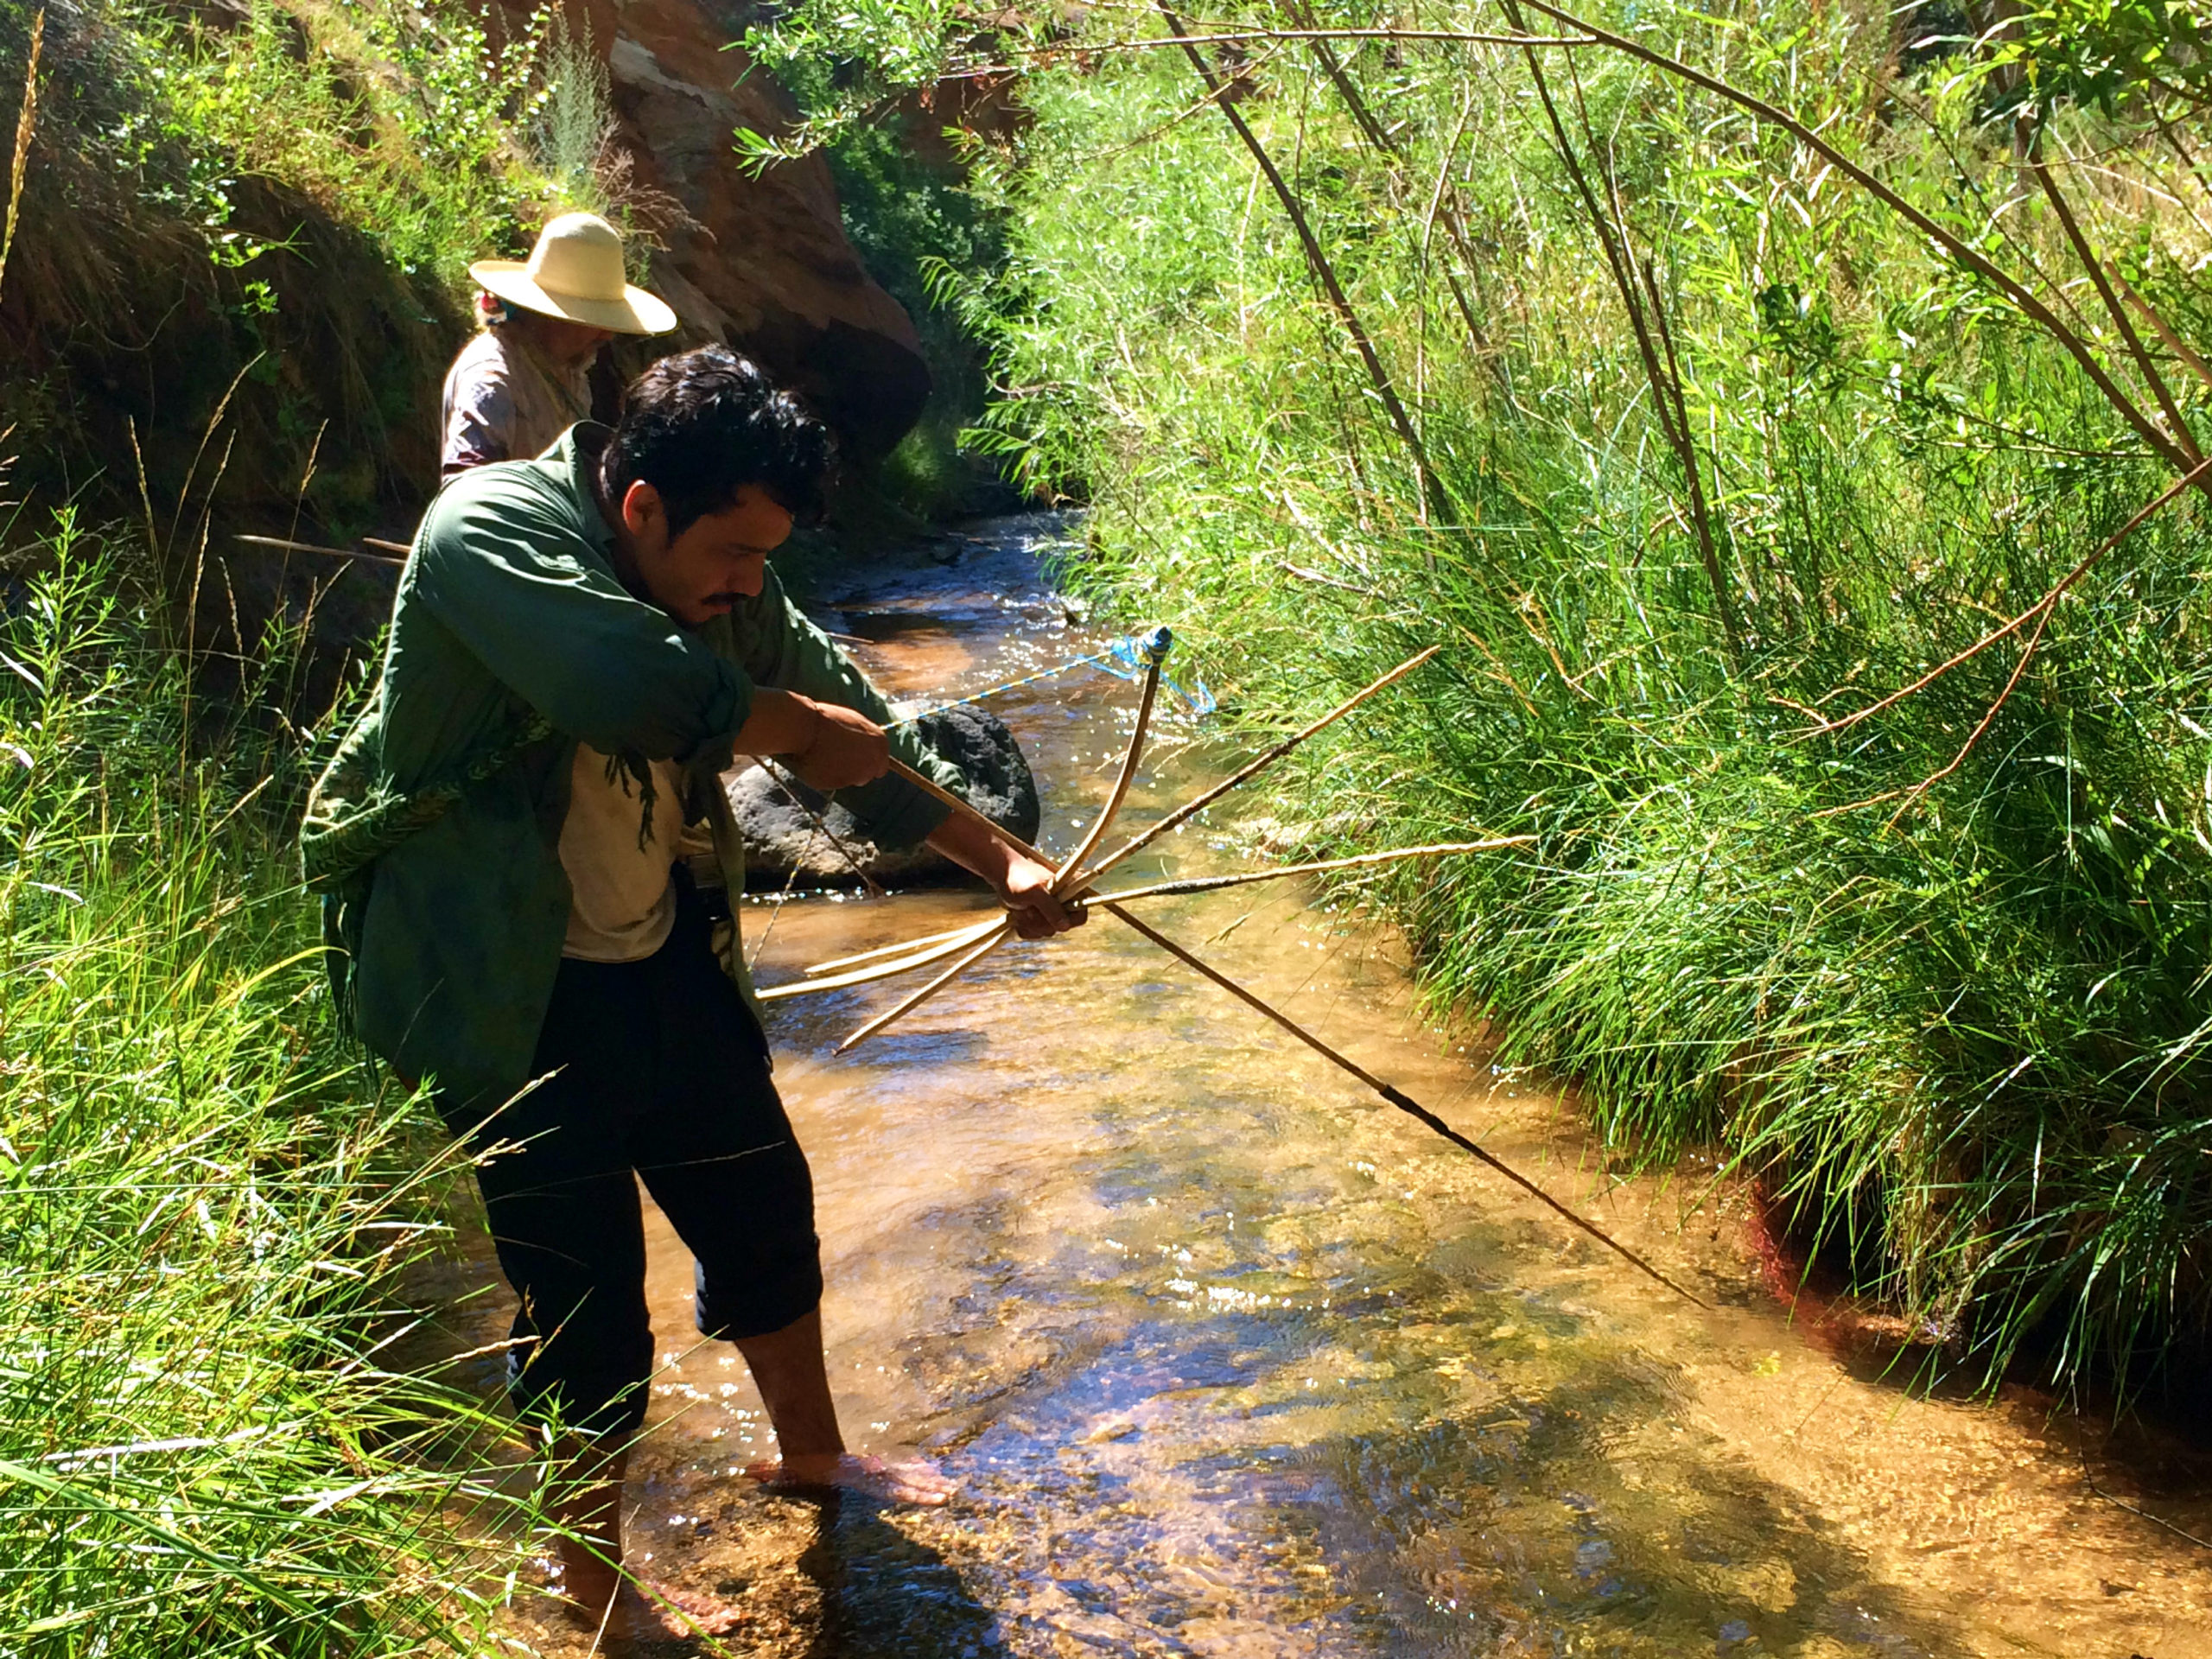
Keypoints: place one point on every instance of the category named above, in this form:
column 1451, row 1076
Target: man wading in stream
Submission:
column 580, row 644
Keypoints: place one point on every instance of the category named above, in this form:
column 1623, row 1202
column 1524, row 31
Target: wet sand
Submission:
column 1231, row 1359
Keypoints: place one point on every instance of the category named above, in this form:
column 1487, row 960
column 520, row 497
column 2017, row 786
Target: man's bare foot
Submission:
column 642, row 1610
column 913, row 1482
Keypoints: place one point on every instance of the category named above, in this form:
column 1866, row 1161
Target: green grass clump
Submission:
column 1936, row 980
column 205, row 1200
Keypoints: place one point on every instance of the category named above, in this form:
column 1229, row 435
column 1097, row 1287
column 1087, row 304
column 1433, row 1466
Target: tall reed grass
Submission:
column 1733, row 426
column 204, row 1200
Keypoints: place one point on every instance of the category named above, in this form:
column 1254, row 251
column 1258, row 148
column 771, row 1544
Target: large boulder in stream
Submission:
column 783, row 822
column 756, row 261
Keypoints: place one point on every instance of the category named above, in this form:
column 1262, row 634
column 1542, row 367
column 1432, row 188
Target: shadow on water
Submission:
column 883, row 1594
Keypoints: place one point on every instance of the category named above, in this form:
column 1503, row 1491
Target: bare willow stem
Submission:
column 1001, row 930
column 2114, row 309
column 1325, row 272
column 1246, row 877
column 935, row 947
column 1609, row 224
column 1155, row 655
column 897, row 947
column 2174, row 342
column 2042, row 606
column 1988, row 718
column 1183, row 813
column 1403, row 1102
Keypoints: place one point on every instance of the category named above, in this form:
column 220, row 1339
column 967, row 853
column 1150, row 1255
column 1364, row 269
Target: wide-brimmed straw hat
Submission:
column 575, row 273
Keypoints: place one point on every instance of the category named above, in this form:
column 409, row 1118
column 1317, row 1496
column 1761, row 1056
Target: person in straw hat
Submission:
column 525, row 379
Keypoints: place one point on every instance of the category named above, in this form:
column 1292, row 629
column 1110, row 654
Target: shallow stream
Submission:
column 1231, row 1359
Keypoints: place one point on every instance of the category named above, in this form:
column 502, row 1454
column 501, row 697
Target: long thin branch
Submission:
column 1066, row 880
column 2089, row 262
column 1246, row 877
column 1193, row 808
column 1612, row 234
column 1403, row 1102
column 1988, row 718
column 936, row 791
column 1001, row 931
column 921, row 953
column 2195, row 475
column 2175, row 343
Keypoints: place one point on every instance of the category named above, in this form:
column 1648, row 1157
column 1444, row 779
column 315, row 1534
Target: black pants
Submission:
column 658, row 1069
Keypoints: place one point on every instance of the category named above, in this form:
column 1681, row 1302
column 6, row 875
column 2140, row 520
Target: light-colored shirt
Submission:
column 506, row 401
column 622, row 903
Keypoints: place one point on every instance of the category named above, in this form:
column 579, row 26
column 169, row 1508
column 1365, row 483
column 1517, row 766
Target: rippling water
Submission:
column 1231, row 1359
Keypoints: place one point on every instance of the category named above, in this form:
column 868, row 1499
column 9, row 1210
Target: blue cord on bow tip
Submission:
column 1127, row 659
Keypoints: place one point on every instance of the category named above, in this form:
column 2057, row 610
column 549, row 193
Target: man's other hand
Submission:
column 848, row 748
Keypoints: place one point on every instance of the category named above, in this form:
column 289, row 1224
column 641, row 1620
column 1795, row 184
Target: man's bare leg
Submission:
column 600, row 1597
column 794, row 1383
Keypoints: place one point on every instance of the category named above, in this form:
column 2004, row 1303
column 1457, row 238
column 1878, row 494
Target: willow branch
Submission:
column 1611, row 230
column 2174, row 342
column 1246, row 877
column 936, row 791
column 1323, row 271
column 1191, row 809
column 921, row 954
column 2089, row 262
column 1064, row 877
column 1001, row 931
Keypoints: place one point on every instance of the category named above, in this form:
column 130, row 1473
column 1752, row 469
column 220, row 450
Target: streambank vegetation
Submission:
column 1789, row 420
column 205, row 1446
column 232, row 263
column 259, row 215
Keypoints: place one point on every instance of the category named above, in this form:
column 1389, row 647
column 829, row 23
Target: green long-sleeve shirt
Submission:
column 435, row 833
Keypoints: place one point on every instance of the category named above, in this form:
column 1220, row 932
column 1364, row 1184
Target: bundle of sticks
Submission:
column 1075, row 879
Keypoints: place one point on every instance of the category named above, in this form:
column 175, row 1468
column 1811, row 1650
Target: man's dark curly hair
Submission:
column 700, row 426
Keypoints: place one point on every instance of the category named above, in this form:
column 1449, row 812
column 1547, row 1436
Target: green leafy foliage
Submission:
column 2106, row 52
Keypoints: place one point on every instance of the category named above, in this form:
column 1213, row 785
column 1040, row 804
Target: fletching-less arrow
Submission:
column 1403, row 1102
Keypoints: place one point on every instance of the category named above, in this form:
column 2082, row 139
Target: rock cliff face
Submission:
column 761, row 263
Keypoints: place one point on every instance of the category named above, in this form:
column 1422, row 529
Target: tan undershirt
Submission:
column 623, row 903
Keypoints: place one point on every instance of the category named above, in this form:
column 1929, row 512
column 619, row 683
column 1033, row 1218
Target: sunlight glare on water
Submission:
column 1231, row 1359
